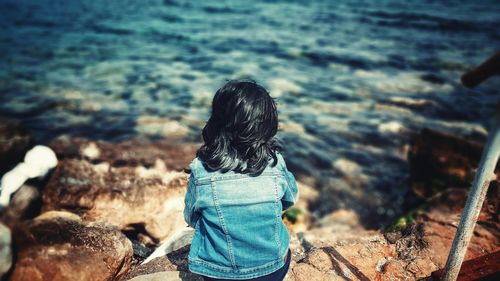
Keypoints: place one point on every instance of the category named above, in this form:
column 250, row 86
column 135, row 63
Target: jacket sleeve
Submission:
column 291, row 193
column 191, row 215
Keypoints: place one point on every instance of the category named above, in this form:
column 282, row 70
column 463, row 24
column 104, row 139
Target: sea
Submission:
column 354, row 81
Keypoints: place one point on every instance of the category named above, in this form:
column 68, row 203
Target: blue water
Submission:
column 353, row 79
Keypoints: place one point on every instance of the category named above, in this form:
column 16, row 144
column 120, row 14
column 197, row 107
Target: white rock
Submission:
column 11, row 182
column 40, row 160
column 91, row 151
column 382, row 263
column 37, row 163
column 102, row 167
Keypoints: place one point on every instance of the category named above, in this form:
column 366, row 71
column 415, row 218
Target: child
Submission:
column 238, row 187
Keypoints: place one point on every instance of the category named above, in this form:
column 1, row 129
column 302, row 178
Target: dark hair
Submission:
column 239, row 136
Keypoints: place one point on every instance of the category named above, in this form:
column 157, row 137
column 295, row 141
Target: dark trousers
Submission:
column 278, row 275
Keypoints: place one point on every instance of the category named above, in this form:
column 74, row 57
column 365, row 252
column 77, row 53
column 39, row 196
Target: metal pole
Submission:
column 475, row 200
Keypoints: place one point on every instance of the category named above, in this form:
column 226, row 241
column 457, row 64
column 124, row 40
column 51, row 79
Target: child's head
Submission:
column 239, row 134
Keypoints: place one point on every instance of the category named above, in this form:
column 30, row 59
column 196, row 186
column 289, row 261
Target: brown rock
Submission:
column 59, row 246
column 418, row 250
column 440, row 235
column 135, row 185
column 304, row 271
column 426, row 245
column 176, row 156
column 14, row 143
column 25, row 204
column 439, row 161
column 129, row 198
column 365, row 255
column 356, row 258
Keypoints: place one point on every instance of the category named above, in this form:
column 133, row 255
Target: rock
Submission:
column 25, row 204
column 38, row 161
column 59, row 246
column 340, row 220
column 150, row 205
column 393, row 236
column 141, row 252
column 354, row 259
column 102, row 181
column 14, row 142
column 414, row 253
column 380, row 267
column 91, row 151
column 178, row 240
column 325, row 253
column 439, row 161
column 172, row 266
column 138, row 187
column 5, row 249
column 304, row 271
column 412, row 242
column 176, row 156
column 57, row 215
column 439, row 225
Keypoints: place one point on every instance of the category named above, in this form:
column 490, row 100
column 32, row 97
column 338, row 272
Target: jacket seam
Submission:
column 191, row 199
column 289, row 187
column 288, row 184
column 232, row 270
column 278, row 217
column 223, row 225
column 207, row 180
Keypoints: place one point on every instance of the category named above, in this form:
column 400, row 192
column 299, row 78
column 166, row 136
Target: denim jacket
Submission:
column 239, row 233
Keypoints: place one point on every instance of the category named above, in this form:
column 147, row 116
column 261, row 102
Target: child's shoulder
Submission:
column 281, row 161
column 198, row 169
column 195, row 165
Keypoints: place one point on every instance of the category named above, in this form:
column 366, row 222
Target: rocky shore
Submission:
column 107, row 207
